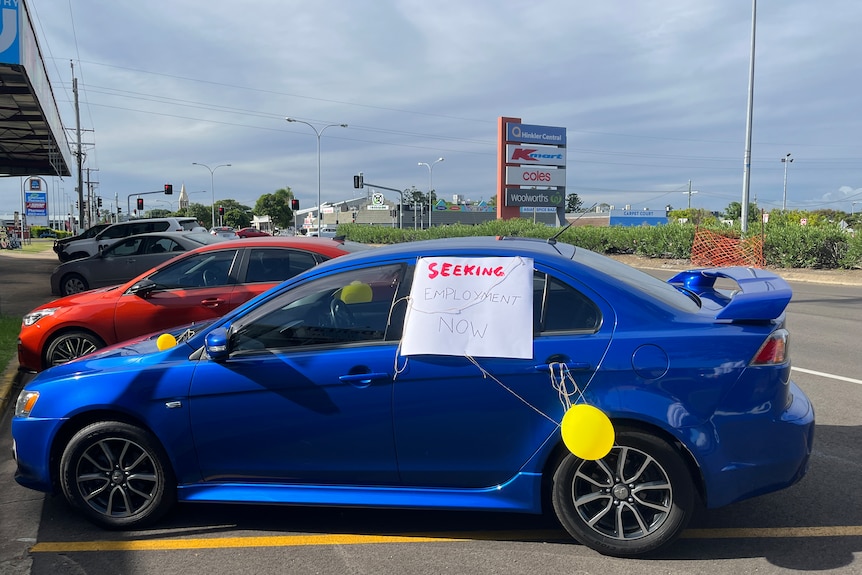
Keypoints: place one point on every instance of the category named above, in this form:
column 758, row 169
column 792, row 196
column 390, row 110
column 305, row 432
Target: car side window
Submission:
column 127, row 247
column 156, row 245
column 209, row 269
column 276, row 265
column 115, row 232
column 557, row 306
column 345, row 308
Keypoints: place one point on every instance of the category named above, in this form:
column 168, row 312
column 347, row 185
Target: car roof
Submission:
column 590, row 266
column 325, row 246
column 478, row 244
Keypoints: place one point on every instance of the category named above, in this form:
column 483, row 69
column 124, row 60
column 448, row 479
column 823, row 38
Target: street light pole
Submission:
column 785, row 160
column 430, row 185
column 212, row 186
column 318, row 133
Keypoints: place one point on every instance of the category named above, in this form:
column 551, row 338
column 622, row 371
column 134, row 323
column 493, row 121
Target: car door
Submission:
column 305, row 395
column 115, row 265
column 193, row 289
column 267, row 267
column 112, row 234
column 475, row 422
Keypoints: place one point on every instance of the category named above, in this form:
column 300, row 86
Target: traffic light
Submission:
column 358, row 181
column 294, row 205
column 99, row 202
column 221, row 210
column 119, row 210
column 169, row 189
column 140, row 203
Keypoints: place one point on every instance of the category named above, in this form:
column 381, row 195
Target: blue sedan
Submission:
column 441, row 375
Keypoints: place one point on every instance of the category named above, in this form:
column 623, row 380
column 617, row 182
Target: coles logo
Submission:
column 536, row 176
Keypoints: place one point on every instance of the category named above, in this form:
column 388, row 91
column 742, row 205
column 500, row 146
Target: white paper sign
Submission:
column 478, row 307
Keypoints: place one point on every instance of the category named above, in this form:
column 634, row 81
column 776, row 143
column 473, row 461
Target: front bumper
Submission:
column 31, row 448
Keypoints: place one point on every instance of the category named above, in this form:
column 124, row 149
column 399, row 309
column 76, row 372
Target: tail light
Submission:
column 774, row 349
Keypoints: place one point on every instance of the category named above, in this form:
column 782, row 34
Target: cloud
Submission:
column 653, row 94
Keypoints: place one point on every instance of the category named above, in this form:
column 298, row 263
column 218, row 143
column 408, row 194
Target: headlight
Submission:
column 26, row 402
column 35, row 316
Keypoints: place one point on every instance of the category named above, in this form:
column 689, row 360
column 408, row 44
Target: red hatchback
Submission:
column 199, row 285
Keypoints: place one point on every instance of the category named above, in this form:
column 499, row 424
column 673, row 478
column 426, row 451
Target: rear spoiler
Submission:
column 762, row 294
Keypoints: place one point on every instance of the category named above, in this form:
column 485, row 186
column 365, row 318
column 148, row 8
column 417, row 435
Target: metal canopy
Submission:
column 27, row 145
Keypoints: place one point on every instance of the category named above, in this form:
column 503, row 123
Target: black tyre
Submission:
column 635, row 500
column 73, row 283
column 71, row 345
column 118, row 475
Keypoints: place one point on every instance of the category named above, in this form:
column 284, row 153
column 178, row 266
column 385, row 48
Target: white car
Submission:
column 87, row 247
column 325, row 232
column 224, row 232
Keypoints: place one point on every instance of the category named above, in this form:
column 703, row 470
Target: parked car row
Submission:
column 430, row 375
column 193, row 286
column 123, row 260
column 91, row 243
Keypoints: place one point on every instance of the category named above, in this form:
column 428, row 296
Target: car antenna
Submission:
column 553, row 239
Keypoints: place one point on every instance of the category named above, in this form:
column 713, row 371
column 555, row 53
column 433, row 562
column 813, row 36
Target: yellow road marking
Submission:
column 351, row 539
column 226, row 542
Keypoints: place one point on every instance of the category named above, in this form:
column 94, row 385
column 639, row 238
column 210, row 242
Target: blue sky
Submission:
column 653, row 93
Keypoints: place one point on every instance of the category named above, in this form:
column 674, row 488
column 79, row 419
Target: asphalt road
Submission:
column 813, row 526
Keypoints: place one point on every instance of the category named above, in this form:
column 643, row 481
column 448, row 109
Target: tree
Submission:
column 733, row 211
column 202, row 213
column 237, row 218
column 573, row 203
column 236, row 214
column 277, row 207
column 413, row 195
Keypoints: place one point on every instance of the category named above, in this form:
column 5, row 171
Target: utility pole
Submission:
column 92, row 204
column 746, row 161
column 689, row 192
column 80, row 153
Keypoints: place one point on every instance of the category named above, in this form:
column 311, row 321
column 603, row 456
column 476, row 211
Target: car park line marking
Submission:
column 353, row 539
column 229, row 542
column 828, row 375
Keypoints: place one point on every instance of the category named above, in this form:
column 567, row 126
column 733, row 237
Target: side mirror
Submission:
column 143, row 288
column 216, row 344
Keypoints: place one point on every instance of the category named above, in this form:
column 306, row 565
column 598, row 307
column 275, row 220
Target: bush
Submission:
column 785, row 245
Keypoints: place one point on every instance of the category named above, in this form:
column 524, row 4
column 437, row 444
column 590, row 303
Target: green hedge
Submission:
column 824, row 246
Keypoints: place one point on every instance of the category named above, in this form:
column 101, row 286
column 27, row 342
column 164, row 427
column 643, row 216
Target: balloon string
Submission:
column 488, row 375
column 560, row 381
column 400, row 369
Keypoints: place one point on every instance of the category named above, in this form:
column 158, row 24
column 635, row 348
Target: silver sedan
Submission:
column 124, row 260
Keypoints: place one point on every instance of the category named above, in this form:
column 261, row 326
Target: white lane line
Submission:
column 829, row 375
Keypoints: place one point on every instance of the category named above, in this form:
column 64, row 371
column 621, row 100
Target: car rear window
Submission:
column 638, row 280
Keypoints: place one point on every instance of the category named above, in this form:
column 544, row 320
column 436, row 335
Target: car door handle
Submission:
column 212, row 302
column 363, row 378
column 570, row 365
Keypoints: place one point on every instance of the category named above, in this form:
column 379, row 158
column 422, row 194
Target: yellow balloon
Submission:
column 165, row 341
column 587, row 432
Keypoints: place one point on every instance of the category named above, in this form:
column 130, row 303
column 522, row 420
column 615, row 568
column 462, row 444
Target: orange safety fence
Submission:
column 714, row 250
